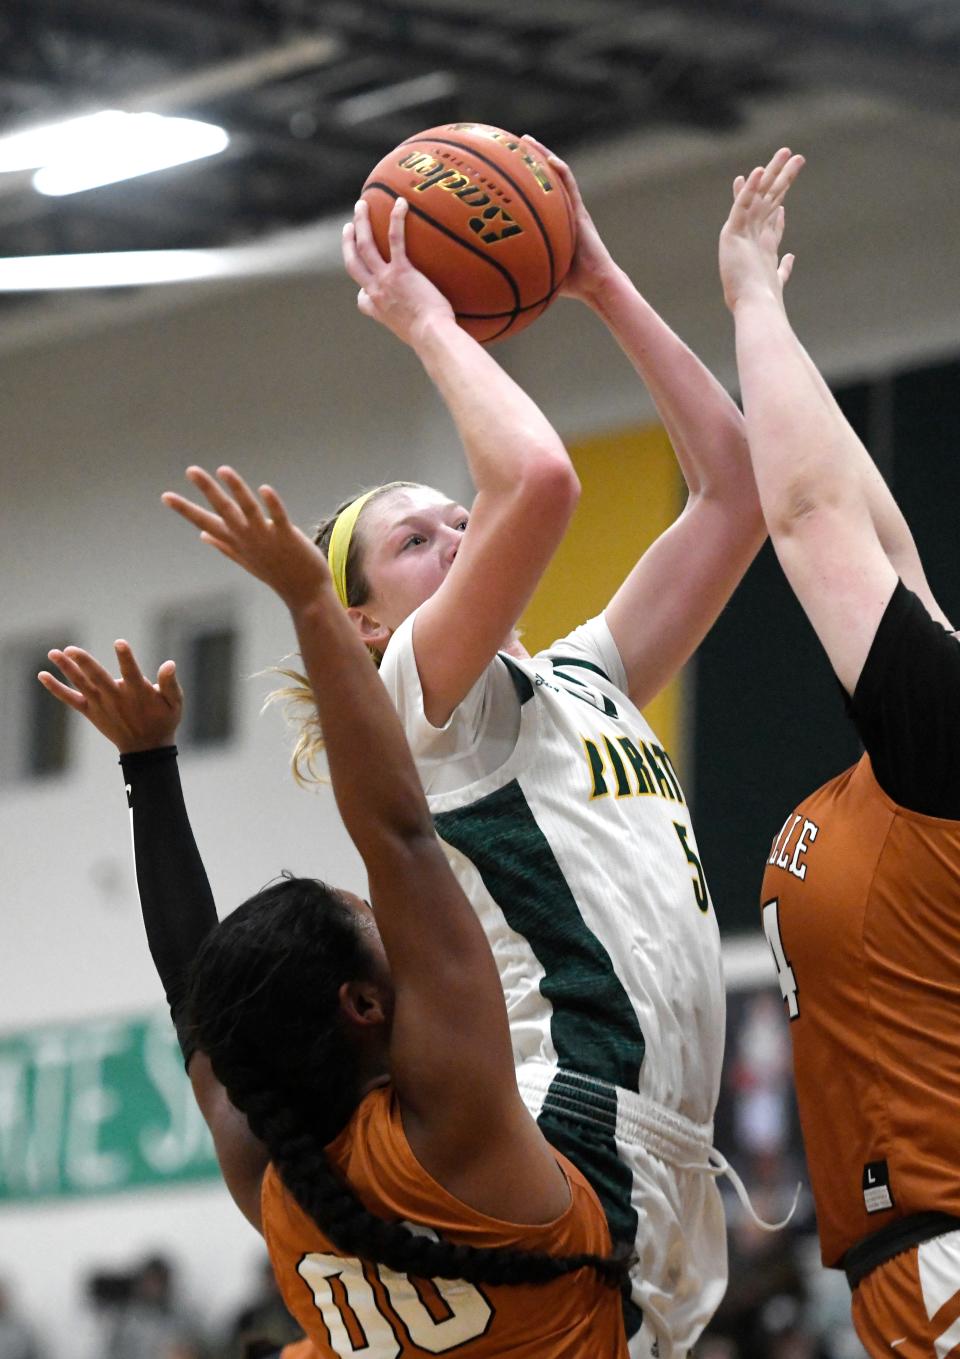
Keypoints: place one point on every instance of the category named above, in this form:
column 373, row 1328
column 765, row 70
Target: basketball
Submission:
column 489, row 223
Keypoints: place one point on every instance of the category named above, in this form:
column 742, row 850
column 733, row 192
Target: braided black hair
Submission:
column 264, row 1007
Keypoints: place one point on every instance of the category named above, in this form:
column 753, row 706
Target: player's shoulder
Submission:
column 909, row 640
column 591, row 649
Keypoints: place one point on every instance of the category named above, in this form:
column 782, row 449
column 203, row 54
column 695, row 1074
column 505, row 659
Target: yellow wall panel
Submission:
column 632, row 490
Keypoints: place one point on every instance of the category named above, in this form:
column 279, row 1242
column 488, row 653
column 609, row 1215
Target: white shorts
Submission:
column 651, row 1170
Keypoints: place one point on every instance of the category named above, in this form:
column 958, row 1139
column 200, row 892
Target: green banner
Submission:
column 96, row 1107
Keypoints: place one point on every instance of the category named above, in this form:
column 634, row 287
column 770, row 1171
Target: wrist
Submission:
column 761, row 297
column 433, row 328
column 606, row 286
column 616, row 296
column 315, row 609
column 136, row 756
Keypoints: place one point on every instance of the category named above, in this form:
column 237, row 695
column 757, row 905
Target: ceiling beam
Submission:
column 880, row 51
column 172, row 23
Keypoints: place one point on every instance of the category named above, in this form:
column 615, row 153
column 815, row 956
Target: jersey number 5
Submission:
column 701, row 895
column 444, row 1315
column 785, row 974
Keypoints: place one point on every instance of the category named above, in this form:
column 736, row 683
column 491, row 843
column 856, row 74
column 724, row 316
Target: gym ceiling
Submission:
column 314, row 92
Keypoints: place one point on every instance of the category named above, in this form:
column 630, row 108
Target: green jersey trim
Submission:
column 575, row 660
column 594, row 1027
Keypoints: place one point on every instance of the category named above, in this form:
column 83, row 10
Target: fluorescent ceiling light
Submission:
column 303, row 251
column 105, row 147
column 117, row 269
column 362, row 108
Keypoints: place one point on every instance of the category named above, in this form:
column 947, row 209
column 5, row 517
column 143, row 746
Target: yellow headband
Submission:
column 339, row 548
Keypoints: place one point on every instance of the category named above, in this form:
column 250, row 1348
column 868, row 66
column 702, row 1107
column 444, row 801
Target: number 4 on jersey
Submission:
column 785, row 975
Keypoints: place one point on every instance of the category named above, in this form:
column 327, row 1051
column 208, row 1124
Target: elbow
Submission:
column 549, row 482
column 794, row 509
column 409, row 853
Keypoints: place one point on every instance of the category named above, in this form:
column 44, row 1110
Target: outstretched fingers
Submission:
column 94, row 677
column 397, row 229
column 759, row 196
column 71, row 697
column 132, row 712
column 221, row 500
column 194, row 514
column 168, row 683
column 135, row 680
column 234, row 506
column 777, row 189
column 352, row 262
column 365, row 245
column 750, row 188
column 773, row 167
column 243, row 497
column 130, row 671
column 87, row 677
column 275, row 507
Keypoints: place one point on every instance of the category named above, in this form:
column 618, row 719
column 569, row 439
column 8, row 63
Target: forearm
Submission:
column 505, row 435
column 701, row 419
column 891, row 527
column 805, row 455
column 175, row 896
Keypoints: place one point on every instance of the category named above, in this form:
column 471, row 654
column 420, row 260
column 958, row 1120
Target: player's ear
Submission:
column 372, row 632
column 364, row 1004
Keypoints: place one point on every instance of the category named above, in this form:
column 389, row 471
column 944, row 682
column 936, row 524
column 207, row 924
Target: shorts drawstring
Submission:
column 717, row 1165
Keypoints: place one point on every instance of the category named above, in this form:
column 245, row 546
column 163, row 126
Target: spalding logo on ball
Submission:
column 488, row 223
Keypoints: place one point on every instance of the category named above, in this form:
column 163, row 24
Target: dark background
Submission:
column 769, row 721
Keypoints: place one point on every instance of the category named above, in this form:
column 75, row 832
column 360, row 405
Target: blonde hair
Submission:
column 299, row 707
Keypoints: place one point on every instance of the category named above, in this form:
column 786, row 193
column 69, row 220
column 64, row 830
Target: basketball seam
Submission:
column 519, row 311
column 474, row 250
column 470, row 150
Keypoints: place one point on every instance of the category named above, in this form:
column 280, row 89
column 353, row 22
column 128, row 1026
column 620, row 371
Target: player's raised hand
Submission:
column 392, row 291
column 131, row 711
column 751, row 236
column 592, row 263
column 256, row 534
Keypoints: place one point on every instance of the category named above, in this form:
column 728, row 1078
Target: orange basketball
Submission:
column 489, row 223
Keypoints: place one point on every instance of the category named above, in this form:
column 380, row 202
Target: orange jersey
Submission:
column 348, row 1306
column 861, row 906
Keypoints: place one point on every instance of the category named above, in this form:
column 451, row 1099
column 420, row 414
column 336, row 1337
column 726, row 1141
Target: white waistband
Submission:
column 666, row 1134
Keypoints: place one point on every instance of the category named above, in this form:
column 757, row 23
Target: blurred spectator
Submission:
column 762, row 1315
column 142, row 1318
column 263, row 1321
column 16, row 1338
column 759, row 1079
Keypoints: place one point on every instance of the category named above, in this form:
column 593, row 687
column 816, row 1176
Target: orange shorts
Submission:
column 910, row 1305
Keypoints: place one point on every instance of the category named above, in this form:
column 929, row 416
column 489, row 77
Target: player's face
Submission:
column 411, row 537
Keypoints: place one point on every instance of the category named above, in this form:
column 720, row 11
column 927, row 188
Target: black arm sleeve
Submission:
column 906, row 707
column 175, row 897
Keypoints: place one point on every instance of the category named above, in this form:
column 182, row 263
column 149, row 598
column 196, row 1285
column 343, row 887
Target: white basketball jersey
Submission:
column 579, row 857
